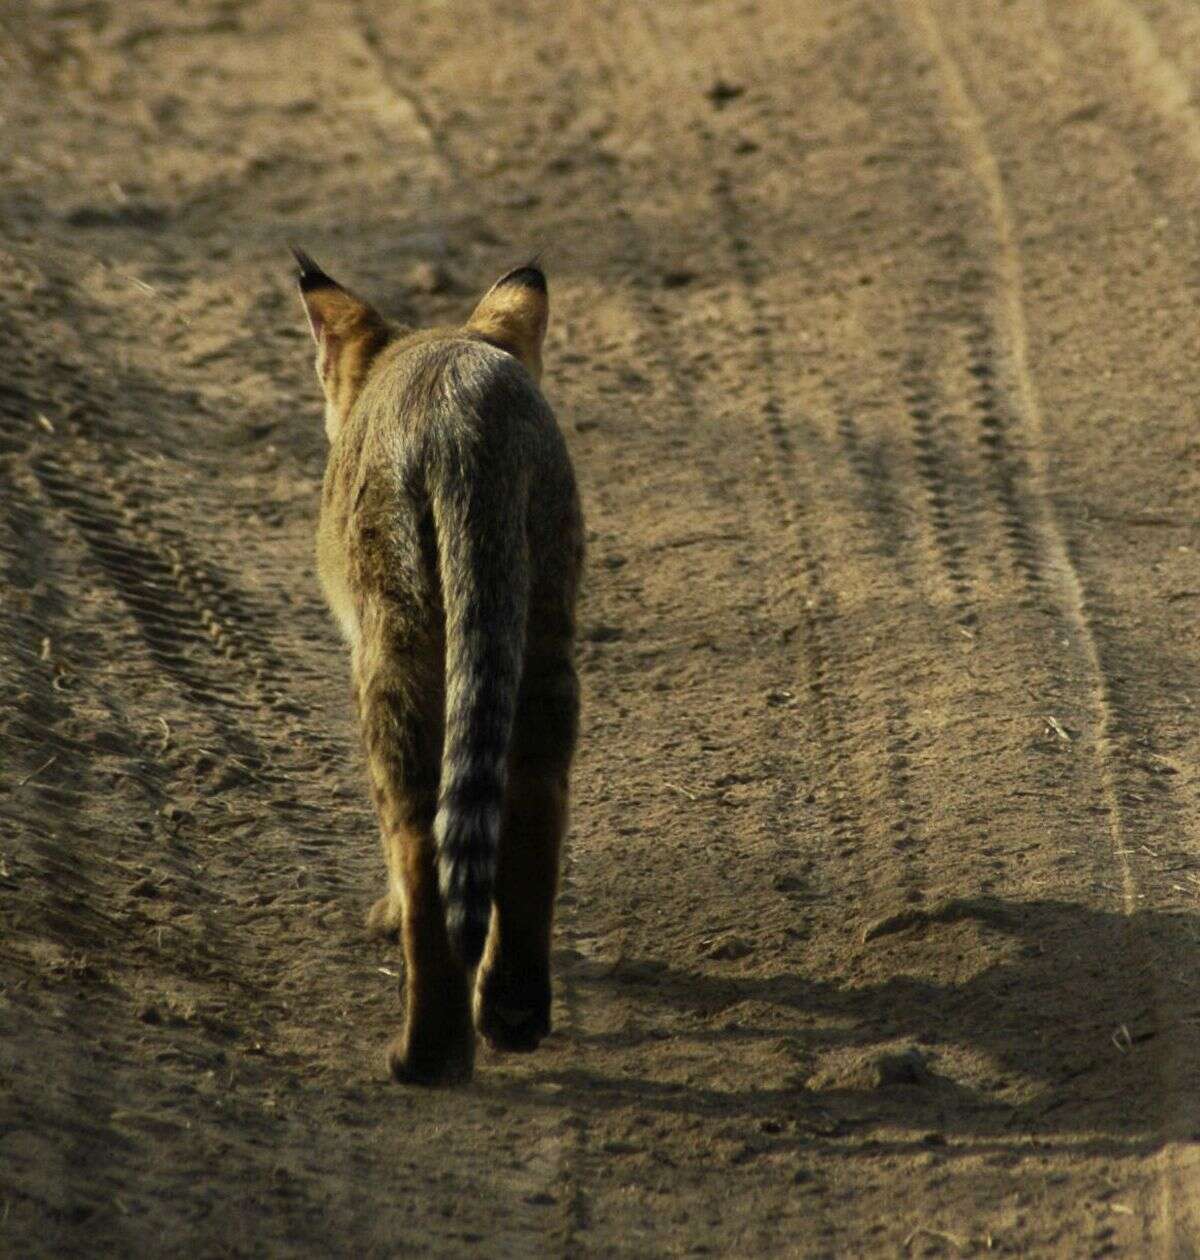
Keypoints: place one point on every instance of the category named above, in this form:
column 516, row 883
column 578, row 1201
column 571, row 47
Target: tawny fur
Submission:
column 449, row 547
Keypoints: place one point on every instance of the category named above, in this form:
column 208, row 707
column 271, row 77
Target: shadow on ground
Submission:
column 1049, row 1041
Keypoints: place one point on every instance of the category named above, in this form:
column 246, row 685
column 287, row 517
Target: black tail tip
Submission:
column 528, row 276
column 310, row 275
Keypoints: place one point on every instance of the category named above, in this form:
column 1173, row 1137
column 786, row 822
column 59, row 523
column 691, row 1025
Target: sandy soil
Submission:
column 874, row 341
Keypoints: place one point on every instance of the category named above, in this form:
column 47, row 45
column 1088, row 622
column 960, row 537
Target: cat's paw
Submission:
column 432, row 1061
column 385, row 918
column 513, row 1011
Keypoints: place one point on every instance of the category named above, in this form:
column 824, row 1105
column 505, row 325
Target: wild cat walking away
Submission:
column 449, row 546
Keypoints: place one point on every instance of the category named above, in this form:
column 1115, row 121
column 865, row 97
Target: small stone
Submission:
column 720, row 93
column 429, row 277
column 677, row 278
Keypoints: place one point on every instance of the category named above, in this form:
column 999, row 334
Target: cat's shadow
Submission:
column 1079, row 1025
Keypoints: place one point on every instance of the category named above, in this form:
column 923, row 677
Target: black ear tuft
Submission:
column 529, row 276
column 310, row 276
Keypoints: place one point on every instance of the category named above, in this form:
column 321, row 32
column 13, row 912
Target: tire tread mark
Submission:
column 1170, row 93
column 817, row 611
column 1012, row 480
column 930, row 443
column 399, row 85
column 892, row 530
column 1033, row 522
column 166, row 621
column 76, row 880
column 1043, row 532
column 187, row 614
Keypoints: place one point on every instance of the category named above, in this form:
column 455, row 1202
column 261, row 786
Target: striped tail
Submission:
column 484, row 567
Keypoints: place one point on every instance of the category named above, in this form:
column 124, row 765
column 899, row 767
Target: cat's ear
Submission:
column 513, row 315
column 335, row 315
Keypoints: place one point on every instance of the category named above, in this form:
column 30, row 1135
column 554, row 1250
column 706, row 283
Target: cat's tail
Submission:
column 483, row 561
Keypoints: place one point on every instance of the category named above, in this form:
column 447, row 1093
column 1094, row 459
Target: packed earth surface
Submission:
column 874, row 339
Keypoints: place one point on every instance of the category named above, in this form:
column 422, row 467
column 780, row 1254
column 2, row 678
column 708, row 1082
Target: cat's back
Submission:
column 442, row 408
column 443, row 414
column 450, row 391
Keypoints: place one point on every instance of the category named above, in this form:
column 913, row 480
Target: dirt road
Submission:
column 874, row 340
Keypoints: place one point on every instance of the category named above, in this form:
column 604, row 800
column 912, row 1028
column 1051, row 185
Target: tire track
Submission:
column 135, row 932
column 83, row 874
column 658, row 350
column 818, row 612
column 398, row 86
column 167, row 618
column 1032, row 523
column 40, row 702
column 1171, row 99
column 1008, row 474
column 196, row 627
column 182, row 614
column 893, row 532
column 214, row 639
column 949, row 383
column 79, row 923
column 930, row 441
column 1042, row 534
column 1158, row 87
column 1168, row 91
column 884, row 693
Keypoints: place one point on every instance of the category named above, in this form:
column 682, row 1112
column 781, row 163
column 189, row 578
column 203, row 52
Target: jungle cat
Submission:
column 449, row 547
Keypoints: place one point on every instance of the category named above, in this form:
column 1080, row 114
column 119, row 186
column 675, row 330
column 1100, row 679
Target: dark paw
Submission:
column 431, row 1066
column 514, row 1011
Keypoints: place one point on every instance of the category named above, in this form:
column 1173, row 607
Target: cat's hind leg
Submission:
column 513, row 993
column 403, row 748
